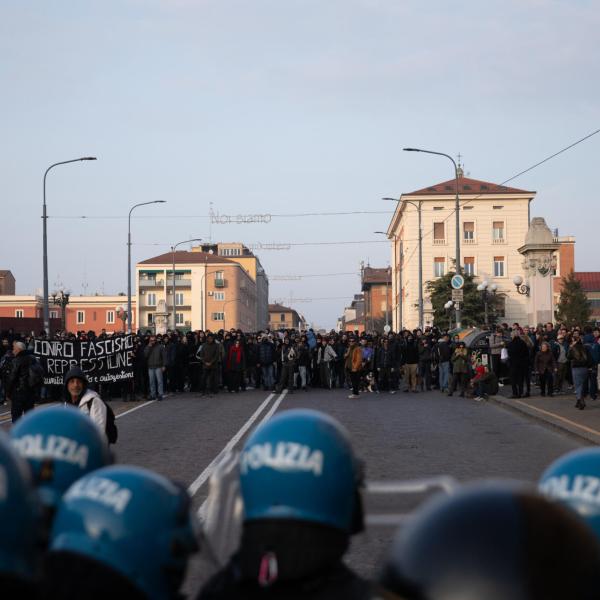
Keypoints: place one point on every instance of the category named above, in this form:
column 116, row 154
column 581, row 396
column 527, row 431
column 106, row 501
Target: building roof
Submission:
column 183, row 257
column 590, row 280
column 466, row 186
column 280, row 308
column 372, row 276
column 4, row 272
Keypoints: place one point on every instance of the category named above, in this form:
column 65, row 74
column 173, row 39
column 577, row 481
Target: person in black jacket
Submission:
column 17, row 386
column 384, row 361
column 518, row 359
column 410, row 357
column 444, row 353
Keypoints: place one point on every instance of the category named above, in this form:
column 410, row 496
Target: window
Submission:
column 178, row 298
column 498, row 266
column 179, row 318
column 54, row 314
column 150, row 319
column 469, row 232
column 467, row 207
column 231, row 252
column 469, row 265
column 19, row 314
column 151, row 299
column 282, row 317
column 438, row 208
column 498, row 207
column 439, row 266
column 439, row 236
column 80, row 317
column 218, row 316
column 110, row 317
column 219, row 279
column 498, row 232
column 219, row 296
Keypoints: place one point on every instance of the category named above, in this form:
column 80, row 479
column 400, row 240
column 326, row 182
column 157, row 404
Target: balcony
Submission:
column 439, row 242
column 219, row 283
column 498, row 240
column 182, row 283
column 469, row 241
column 150, row 283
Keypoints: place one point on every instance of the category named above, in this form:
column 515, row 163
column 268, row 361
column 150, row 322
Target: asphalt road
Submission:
column 402, row 436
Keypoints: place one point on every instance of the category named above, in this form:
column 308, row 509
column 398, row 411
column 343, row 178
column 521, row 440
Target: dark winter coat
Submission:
column 544, row 361
column 266, row 353
column 18, row 378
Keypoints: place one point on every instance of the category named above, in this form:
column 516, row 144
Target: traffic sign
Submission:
column 458, row 295
column 457, row 282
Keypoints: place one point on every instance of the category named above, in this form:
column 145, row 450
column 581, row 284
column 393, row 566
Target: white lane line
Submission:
column 269, row 414
column 127, row 412
column 5, row 413
column 203, row 477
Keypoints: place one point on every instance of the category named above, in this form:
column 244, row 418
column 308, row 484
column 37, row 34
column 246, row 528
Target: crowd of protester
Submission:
column 555, row 358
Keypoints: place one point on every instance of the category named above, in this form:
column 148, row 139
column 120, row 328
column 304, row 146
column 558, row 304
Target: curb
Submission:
column 557, row 421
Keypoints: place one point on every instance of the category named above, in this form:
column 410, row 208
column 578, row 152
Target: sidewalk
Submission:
column 558, row 411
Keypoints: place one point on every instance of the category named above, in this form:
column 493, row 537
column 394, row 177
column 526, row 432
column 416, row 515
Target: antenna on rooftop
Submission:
column 460, row 166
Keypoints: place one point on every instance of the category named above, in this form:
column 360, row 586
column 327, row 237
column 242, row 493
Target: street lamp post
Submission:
column 486, row 291
column 418, row 206
column 448, row 307
column 173, row 248
column 456, row 210
column 61, row 299
column 45, row 240
column 129, row 258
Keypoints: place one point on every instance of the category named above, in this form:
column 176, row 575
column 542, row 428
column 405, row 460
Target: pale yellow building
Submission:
column 211, row 291
column 493, row 222
column 242, row 255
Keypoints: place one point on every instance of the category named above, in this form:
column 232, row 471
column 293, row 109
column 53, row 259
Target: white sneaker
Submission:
column 353, row 396
column 392, row 391
column 500, row 384
column 478, row 398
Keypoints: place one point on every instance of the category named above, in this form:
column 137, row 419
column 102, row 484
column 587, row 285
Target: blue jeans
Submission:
column 156, row 376
column 580, row 375
column 267, row 373
column 444, row 373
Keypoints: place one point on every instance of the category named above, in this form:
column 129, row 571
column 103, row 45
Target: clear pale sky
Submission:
column 282, row 106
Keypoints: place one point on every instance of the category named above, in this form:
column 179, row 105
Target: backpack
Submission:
column 36, row 374
column 112, row 433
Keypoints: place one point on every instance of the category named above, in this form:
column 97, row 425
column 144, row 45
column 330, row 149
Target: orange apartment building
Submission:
column 376, row 285
column 211, row 292
column 284, row 317
column 83, row 313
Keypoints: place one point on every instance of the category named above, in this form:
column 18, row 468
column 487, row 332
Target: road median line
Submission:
column 203, row 477
column 127, row 412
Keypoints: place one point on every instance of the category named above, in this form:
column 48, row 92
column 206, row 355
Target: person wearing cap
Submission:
column 88, row 401
column 17, row 385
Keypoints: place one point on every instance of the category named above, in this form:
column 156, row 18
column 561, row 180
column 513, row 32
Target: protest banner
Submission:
column 102, row 360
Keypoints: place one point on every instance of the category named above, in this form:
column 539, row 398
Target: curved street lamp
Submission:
column 129, row 259
column 46, row 307
column 456, row 210
column 173, row 248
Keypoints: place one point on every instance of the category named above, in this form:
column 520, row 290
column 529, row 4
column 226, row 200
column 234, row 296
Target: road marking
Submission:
column 274, row 407
column 563, row 419
column 127, row 412
column 202, row 509
column 203, row 477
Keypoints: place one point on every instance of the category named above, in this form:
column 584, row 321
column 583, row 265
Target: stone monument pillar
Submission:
column 539, row 266
column 160, row 318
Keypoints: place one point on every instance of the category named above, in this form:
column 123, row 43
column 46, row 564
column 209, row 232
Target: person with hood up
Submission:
column 87, row 400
